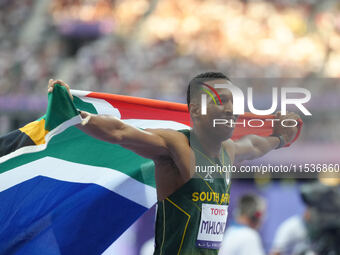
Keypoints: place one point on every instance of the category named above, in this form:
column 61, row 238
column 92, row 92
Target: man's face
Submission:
column 217, row 108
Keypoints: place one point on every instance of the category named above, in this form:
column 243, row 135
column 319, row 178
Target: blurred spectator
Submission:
column 318, row 231
column 291, row 236
column 242, row 238
column 179, row 38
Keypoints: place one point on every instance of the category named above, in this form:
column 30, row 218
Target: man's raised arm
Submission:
column 148, row 143
column 254, row 146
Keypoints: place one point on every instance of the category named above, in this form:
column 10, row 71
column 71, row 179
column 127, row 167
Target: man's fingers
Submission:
column 60, row 82
column 50, row 86
column 289, row 115
column 294, row 116
column 297, row 116
column 52, row 82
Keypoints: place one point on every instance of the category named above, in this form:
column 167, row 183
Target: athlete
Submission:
column 192, row 205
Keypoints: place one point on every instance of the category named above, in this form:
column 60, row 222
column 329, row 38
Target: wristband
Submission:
column 282, row 141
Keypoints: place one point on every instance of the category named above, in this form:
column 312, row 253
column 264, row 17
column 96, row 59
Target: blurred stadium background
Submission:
column 151, row 48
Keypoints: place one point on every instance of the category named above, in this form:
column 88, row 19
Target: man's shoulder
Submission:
column 235, row 238
column 293, row 221
column 294, row 225
column 244, row 231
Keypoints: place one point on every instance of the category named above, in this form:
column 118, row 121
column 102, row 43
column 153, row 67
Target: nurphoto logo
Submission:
column 239, row 102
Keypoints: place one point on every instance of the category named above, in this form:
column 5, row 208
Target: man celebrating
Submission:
column 192, row 209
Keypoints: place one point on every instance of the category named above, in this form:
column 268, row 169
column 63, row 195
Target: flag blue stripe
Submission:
column 36, row 214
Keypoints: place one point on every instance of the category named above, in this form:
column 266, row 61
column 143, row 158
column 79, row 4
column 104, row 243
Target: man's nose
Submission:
column 228, row 107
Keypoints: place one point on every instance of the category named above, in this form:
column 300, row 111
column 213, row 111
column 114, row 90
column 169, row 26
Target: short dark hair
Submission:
column 196, row 83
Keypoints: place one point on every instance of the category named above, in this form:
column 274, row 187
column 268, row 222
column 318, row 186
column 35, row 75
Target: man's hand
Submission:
column 52, row 83
column 287, row 133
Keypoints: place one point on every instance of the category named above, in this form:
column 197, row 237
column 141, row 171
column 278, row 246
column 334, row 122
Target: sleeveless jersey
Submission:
column 192, row 220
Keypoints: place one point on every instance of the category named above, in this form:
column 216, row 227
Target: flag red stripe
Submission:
column 142, row 108
column 140, row 101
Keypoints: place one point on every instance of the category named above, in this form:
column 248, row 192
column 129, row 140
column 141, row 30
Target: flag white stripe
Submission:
column 80, row 93
column 141, row 123
column 102, row 106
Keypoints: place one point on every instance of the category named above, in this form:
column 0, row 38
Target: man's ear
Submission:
column 194, row 109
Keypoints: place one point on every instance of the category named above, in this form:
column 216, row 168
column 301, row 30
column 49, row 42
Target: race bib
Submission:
column 212, row 226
